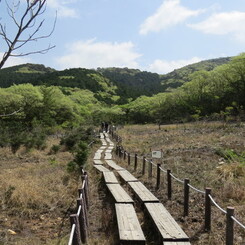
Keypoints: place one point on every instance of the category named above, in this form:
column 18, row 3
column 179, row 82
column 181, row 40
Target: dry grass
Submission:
column 36, row 195
column 191, row 151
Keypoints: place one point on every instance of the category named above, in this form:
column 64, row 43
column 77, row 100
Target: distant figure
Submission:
column 106, row 127
column 102, row 126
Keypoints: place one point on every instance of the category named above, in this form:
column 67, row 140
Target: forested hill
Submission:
column 177, row 77
column 111, row 85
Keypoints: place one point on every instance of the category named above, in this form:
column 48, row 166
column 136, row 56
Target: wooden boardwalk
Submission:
column 128, row 225
column 167, row 227
column 129, row 228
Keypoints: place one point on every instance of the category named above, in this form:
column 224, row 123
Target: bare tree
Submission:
column 24, row 15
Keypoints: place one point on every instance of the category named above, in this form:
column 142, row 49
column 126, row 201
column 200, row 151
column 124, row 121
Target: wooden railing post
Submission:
column 83, row 220
column 77, row 235
column 128, row 158
column 158, row 176
column 135, row 161
column 186, row 197
column 207, row 224
column 149, row 169
column 169, row 180
column 86, row 191
column 143, row 166
column 124, row 155
column 82, row 194
column 229, row 226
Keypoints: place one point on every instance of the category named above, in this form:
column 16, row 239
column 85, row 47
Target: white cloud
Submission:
column 92, row 54
column 13, row 61
column 164, row 66
column 168, row 14
column 223, row 24
column 62, row 8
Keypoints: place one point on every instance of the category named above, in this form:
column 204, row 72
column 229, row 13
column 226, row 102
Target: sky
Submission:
column 151, row 35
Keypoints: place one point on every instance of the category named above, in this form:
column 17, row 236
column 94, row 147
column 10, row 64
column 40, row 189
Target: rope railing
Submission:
column 195, row 189
column 177, row 179
column 230, row 218
column 71, row 242
column 238, row 222
column 79, row 220
column 216, row 205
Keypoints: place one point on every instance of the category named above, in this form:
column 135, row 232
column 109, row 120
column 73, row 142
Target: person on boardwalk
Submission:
column 106, row 127
column 102, row 126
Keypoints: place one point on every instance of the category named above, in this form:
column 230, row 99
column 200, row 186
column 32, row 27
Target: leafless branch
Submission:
column 27, row 27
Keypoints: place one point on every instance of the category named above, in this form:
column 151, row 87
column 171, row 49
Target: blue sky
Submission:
column 152, row 35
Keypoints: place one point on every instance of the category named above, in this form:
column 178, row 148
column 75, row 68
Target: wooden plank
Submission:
column 127, row 176
column 102, row 136
column 102, row 147
column 167, row 227
column 110, row 178
column 143, row 194
column 176, row 243
column 97, row 162
column 108, row 156
column 119, row 194
column 97, row 156
column 101, row 168
column 129, row 228
column 113, row 165
column 108, row 150
column 103, row 141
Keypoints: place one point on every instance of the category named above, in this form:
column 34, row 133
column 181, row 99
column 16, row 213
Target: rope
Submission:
column 239, row 223
column 165, row 171
column 217, row 206
column 153, row 164
column 195, row 189
column 72, row 234
column 179, row 180
column 90, row 143
column 79, row 210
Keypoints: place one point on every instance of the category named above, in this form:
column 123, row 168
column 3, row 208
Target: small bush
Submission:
column 54, row 149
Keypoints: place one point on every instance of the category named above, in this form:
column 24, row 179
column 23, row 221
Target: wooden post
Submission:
column 124, row 155
column 186, row 197
column 149, row 169
column 128, row 158
column 82, row 195
column 85, row 185
column 169, row 180
column 158, row 176
column 77, row 234
column 207, row 224
column 143, row 166
column 135, row 161
column 229, row 226
column 83, row 220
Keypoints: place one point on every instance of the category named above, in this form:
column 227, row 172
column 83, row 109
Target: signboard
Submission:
column 156, row 154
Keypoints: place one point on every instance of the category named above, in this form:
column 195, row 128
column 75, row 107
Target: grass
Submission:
column 36, row 196
column 190, row 151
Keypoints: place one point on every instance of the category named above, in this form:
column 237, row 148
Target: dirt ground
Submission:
column 37, row 194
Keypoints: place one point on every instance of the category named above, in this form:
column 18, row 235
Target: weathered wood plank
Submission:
column 129, row 228
column 113, row 165
column 101, row 168
column 110, row 178
column 143, row 194
column 167, row 227
column 97, row 162
column 97, row 156
column 102, row 136
column 127, row 176
column 102, row 147
column 119, row 194
column 108, row 156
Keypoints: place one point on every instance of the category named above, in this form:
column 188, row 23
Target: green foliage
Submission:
column 81, row 154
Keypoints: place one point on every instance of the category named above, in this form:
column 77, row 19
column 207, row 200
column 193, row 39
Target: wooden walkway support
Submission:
column 119, row 194
column 166, row 226
column 142, row 193
column 176, row 243
column 113, row 165
column 129, row 228
column 127, row 176
column 110, row 178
